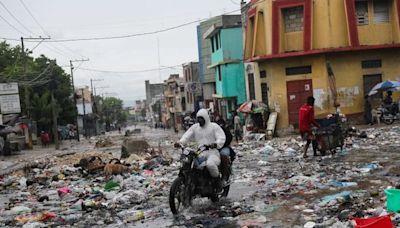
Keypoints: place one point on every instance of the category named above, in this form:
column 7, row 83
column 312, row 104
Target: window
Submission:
column 252, row 92
column 293, row 18
column 298, row 70
column 377, row 63
column 216, row 41
column 381, row 11
column 264, row 93
column 362, row 12
column 182, row 89
column 219, row 73
column 212, row 44
column 263, row 74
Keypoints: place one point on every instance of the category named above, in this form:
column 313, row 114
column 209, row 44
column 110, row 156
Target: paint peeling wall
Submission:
column 349, row 80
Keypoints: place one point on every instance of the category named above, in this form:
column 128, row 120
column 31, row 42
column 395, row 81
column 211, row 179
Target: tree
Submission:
column 39, row 73
column 113, row 112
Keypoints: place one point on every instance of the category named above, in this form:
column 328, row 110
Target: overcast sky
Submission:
column 65, row 19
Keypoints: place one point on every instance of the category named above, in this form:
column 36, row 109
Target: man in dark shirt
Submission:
column 306, row 122
column 226, row 152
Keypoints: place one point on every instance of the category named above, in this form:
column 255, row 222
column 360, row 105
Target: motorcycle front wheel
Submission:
column 388, row 119
column 175, row 195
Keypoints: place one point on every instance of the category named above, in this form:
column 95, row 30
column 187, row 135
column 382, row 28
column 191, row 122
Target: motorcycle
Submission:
column 389, row 114
column 193, row 180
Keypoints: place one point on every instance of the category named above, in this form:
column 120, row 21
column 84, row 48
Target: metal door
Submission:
column 369, row 82
column 297, row 93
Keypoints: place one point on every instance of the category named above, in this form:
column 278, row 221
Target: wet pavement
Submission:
column 273, row 186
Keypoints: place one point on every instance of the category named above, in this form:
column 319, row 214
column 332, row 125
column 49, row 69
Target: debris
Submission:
column 111, row 169
column 104, row 142
column 342, row 195
column 111, row 186
column 309, row 225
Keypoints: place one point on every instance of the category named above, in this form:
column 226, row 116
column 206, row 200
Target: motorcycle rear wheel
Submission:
column 387, row 119
column 175, row 195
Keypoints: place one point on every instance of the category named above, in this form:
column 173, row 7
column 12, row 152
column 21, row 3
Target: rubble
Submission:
column 133, row 146
column 104, row 142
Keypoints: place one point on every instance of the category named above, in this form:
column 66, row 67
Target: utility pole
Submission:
column 53, row 107
column 26, row 88
column 73, row 93
column 84, row 114
column 93, row 98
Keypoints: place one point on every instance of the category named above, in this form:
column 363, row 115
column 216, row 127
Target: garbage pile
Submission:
column 88, row 189
column 323, row 191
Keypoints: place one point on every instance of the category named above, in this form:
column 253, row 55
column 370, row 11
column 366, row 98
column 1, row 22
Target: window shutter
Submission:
column 381, row 11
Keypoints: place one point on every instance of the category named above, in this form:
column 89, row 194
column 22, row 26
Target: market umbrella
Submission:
column 384, row 86
column 252, row 107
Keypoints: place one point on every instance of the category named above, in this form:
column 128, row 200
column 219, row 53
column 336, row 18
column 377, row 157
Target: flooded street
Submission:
column 273, row 186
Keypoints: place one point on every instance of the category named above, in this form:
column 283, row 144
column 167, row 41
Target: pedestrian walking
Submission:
column 367, row 110
column 45, row 138
column 306, row 122
column 237, row 126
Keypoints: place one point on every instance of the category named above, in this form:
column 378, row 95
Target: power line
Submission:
column 126, row 36
column 15, row 18
column 12, row 26
column 30, row 13
column 129, row 72
column 52, row 47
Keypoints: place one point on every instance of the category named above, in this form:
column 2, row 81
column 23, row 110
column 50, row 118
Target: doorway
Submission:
column 297, row 93
column 369, row 82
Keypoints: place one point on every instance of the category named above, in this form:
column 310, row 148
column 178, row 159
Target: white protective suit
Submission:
column 208, row 134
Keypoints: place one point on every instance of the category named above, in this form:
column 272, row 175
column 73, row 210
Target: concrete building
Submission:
column 192, row 86
column 153, row 91
column 289, row 43
column 87, row 119
column 207, row 75
column 174, row 101
column 226, row 57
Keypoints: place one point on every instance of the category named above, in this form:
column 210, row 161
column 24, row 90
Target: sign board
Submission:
column 8, row 88
column 10, row 104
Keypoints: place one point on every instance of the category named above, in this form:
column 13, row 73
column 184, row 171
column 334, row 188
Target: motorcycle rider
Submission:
column 389, row 105
column 207, row 133
column 226, row 153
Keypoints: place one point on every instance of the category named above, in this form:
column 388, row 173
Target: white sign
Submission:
column 10, row 104
column 8, row 88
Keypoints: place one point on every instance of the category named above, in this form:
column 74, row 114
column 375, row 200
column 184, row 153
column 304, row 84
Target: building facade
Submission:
column 174, row 101
column 192, row 86
column 289, row 43
column 154, row 92
column 206, row 74
column 226, row 59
